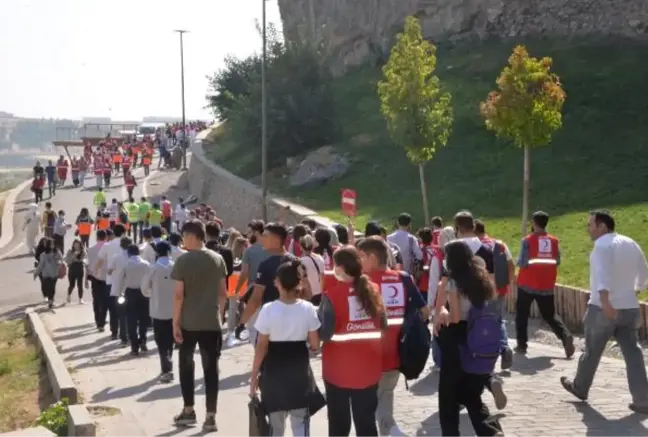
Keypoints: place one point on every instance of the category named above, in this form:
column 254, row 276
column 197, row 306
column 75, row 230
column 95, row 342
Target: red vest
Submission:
column 166, row 209
column 352, row 358
column 394, row 297
column 98, row 166
column 130, row 182
column 126, row 162
column 542, row 270
column 435, row 237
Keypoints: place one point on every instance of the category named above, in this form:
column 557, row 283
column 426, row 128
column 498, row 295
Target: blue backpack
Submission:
column 482, row 347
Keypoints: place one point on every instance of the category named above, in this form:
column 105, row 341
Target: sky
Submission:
column 119, row 58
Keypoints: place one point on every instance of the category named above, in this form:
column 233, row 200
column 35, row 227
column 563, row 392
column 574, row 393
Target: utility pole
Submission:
column 264, row 127
column 184, row 145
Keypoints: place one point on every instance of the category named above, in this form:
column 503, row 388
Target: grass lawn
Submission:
column 597, row 160
column 23, row 388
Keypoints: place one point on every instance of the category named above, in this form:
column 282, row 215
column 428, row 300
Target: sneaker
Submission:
column 50, row 304
column 507, row 359
column 113, row 336
column 238, row 331
column 569, row 347
column 185, row 418
column 101, row 328
column 209, row 425
column 497, row 388
column 166, row 377
column 46, row 300
column 81, row 302
column 134, row 353
column 395, row 431
column 124, row 343
column 69, row 299
column 520, row 349
column 231, row 341
column 568, row 385
column 638, row 408
column 143, row 347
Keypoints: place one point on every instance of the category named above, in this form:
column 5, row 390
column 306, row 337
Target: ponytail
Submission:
column 368, row 296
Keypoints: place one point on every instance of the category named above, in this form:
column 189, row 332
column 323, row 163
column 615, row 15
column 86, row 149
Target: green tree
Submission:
column 417, row 110
column 526, row 109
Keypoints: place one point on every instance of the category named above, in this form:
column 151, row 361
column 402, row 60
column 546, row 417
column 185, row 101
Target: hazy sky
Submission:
column 118, row 58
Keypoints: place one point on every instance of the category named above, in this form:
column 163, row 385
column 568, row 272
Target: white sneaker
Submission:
column 69, row 299
column 396, row 431
column 81, row 302
column 45, row 300
column 231, row 340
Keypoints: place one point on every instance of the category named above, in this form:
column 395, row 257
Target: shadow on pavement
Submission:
column 426, row 386
column 108, row 394
column 531, row 366
column 16, row 312
column 21, row 256
column 169, row 391
column 599, row 425
column 234, row 381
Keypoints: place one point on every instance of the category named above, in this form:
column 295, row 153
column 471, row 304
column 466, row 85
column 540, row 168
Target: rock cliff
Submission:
column 354, row 31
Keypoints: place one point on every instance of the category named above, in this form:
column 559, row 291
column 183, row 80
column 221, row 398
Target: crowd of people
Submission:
column 295, row 292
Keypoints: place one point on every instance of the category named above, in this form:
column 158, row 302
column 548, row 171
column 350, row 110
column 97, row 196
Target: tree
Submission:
column 526, row 109
column 417, row 110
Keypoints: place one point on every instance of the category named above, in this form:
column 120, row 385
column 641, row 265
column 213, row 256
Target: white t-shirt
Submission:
column 176, row 252
column 114, row 211
column 314, row 276
column 287, row 322
column 107, row 253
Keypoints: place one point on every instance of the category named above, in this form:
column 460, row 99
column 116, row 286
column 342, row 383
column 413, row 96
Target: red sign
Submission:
column 348, row 202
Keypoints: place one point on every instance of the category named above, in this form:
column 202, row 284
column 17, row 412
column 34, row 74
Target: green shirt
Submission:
column 144, row 209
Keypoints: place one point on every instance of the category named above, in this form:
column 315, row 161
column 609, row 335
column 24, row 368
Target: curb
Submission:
column 80, row 422
column 37, row 431
column 59, row 377
column 8, row 213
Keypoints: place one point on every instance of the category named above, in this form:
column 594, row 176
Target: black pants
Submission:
column 137, row 315
column 38, row 195
column 547, row 311
column 166, row 224
column 210, row 344
column 163, row 334
column 146, row 170
column 106, row 178
column 85, row 239
column 118, row 320
column 363, row 404
column 129, row 190
column 100, row 297
column 48, row 287
column 132, row 231
column 59, row 242
column 457, row 388
column 75, row 278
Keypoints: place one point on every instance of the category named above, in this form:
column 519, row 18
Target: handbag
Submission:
column 258, row 420
column 62, row 271
column 316, row 400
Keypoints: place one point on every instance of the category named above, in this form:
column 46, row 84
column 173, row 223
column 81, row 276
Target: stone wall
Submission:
column 354, row 31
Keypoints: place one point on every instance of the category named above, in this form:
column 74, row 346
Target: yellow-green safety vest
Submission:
column 132, row 210
column 155, row 217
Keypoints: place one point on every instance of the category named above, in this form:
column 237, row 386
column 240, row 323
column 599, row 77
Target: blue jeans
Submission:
column 598, row 330
column 499, row 304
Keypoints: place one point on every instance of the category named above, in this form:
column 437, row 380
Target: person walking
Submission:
column 200, row 292
column 50, row 268
column 32, row 226
column 538, row 262
column 84, row 225
column 618, row 270
column 60, row 230
column 97, row 279
column 48, row 220
column 75, row 260
column 160, row 288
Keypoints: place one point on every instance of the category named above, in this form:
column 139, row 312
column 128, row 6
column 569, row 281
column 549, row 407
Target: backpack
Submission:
column 414, row 341
column 51, row 219
column 482, row 347
column 416, row 266
column 500, row 266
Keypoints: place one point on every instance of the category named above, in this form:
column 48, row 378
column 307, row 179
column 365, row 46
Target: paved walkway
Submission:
column 107, row 375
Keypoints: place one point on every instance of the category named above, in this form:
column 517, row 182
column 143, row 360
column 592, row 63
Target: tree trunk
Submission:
column 426, row 211
column 525, row 191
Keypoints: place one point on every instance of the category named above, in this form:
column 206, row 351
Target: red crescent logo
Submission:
column 395, row 292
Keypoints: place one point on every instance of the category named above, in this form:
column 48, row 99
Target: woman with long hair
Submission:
column 232, row 235
column 75, row 260
column 281, row 368
column 323, row 247
column 49, row 269
column 353, row 317
column 469, row 290
column 314, row 264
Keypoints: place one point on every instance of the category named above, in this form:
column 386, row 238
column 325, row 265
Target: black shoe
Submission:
column 124, row 343
column 143, row 347
column 185, row 419
column 50, row 304
column 238, row 331
column 134, row 353
column 520, row 349
column 568, row 385
column 639, row 409
column 569, row 347
column 113, row 336
column 209, row 425
column 100, row 328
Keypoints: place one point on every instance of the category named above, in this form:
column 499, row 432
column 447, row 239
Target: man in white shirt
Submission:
column 180, row 214
column 618, row 270
column 406, row 242
column 97, row 278
column 105, row 265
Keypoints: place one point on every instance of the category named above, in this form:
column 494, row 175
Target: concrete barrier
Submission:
column 59, row 377
column 80, row 422
column 37, row 431
column 8, row 213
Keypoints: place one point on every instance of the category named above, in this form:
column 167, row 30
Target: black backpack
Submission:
column 414, row 340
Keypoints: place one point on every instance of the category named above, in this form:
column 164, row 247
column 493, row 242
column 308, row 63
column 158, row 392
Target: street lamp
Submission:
column 264, row 144
column 182, row 87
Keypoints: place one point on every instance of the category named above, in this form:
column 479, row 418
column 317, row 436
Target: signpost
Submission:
column 348, row 202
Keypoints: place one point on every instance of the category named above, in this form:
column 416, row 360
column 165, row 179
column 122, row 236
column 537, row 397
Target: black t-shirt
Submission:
column 266, row 275
column 224, row 252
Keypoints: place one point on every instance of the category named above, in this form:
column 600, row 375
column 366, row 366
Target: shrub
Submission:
column 55, row 418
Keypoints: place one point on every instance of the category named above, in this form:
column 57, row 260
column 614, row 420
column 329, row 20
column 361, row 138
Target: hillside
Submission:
column 597, row 160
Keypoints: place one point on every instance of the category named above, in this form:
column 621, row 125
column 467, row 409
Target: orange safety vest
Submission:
column 232, row 280
column 542, row 270
column 116, row 159
column 353, row 356
column 146, row 159
column 394, row 297
column 103, row 224
column 84, row 226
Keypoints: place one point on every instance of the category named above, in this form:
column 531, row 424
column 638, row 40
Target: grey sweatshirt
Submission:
column 48, row 264
column 161, row 288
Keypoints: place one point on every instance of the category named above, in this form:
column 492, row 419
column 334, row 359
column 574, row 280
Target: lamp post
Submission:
column 182, row 88
column 264, row 144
